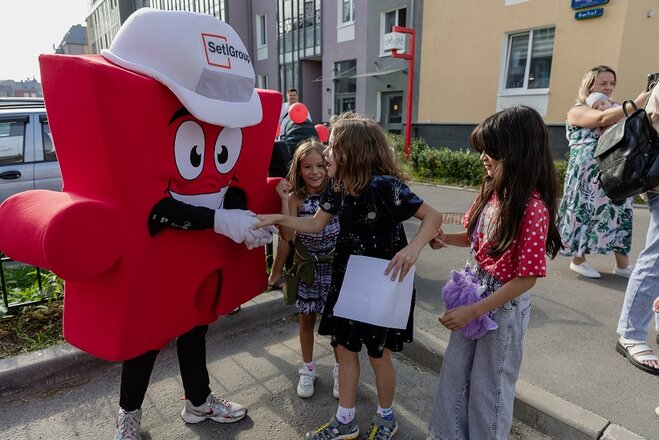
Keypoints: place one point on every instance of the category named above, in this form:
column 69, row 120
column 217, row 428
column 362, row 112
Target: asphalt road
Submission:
column 569, row 352
column 256, row 367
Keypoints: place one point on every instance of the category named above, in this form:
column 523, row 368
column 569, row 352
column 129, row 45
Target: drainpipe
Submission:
column 412, row 15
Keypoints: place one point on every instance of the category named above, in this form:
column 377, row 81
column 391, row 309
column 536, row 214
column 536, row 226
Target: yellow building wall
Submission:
column 639, row 54
column 464, row 43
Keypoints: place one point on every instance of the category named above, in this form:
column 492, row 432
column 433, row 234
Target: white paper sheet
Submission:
column 368, row 295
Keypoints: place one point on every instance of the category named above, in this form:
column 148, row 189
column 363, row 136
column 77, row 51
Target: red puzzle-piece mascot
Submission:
column 164, row 147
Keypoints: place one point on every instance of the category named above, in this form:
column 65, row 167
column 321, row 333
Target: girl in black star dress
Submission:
column 368, row 195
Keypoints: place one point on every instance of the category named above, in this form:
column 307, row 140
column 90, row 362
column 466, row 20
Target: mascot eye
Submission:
column 189, row 149
column 227, row 149
column 195, row 157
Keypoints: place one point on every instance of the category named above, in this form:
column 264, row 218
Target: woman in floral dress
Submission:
column 589, row 222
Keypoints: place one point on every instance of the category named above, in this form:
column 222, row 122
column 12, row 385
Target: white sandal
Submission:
column 631, row 349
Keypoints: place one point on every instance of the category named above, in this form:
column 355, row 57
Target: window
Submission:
column 345, row 20
column 12, row 141
column 47, row 137
column 346, row 11
column 397, row 17
column 261, row 36
column 262, row 81
column 345, row 86
column 528, row 59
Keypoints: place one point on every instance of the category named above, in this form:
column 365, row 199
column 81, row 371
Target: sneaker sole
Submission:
column 303, row 394
column 394, row 432
column 335, row 394
column 191, row 418
column 591, row 276
column 351, row 436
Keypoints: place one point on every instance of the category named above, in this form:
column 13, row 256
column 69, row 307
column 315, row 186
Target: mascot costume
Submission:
column 164, row 146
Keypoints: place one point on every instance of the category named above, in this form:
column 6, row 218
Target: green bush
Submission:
column 22, row 284
column 452, row 167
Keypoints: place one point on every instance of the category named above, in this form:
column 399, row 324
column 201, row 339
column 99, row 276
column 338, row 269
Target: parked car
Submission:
column 27, row 152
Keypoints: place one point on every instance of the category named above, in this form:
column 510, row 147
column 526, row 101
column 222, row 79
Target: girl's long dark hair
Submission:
column 516, row 137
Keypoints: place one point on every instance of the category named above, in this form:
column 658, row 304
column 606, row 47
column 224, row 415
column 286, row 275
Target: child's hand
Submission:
column 267, row 220
column 655, row 305
column 439, row 241
column 401, row 263
column 458, row 317
column 283, row 189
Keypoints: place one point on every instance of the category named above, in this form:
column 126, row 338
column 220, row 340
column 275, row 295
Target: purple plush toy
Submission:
column 462, row 289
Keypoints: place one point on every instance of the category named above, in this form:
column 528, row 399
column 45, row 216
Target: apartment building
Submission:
column 330, row 50
column 478, row 57
column 74, row 41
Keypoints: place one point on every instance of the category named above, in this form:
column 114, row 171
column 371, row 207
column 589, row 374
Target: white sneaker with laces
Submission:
column 585, row 270
column 335, row 374
column 128, row 425
column 216, row 409
column 625, row 273
column 305, row 386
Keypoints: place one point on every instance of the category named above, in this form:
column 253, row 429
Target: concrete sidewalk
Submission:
column 573, row 385
column 256, row 367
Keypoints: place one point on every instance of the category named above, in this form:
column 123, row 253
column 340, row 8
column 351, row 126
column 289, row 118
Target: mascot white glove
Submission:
column 259, row 237
column 237, row 224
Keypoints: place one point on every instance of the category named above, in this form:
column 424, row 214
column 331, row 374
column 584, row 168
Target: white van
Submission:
column 27, row 153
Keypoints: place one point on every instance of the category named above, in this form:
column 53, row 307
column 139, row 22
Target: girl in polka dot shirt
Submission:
column 510, row 230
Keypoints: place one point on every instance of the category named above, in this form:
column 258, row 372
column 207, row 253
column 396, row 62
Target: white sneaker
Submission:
column 335, row 374
column 625, row 273
column 128, row 425
column 585, row 270
column 216, row 409
column 305, row 387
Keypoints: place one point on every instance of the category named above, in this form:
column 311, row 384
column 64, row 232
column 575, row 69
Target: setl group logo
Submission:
column 216, row 53
column 219, row 51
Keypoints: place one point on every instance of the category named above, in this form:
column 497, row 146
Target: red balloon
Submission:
column 323, row 132
column 298, row 112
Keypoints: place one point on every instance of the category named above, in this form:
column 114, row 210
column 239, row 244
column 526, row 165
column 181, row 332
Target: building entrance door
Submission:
column 392, row 111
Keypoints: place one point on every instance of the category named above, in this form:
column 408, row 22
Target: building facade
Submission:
column 479, row 57
column 74, row 42
column 330, row 50
column 30, row 88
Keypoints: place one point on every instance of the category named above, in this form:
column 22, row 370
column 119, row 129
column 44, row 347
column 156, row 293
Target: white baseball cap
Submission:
column 201, row 59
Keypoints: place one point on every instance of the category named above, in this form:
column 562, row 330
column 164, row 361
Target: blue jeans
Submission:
column 643, row 286
column 477, row 381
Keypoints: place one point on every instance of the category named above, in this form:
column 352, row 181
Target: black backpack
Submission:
column 280, row 160
column 627, row 155
column 296, row 133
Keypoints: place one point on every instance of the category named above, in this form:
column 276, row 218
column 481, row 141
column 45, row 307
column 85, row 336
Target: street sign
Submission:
column 591, row 13
column 394, row 40
column 580, row 4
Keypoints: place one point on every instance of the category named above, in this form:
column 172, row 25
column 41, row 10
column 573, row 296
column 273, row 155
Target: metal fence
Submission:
column 34, row 286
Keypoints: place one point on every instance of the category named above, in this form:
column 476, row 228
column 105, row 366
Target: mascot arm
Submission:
column 75, row 237
column 175, row 214
column 237, row 224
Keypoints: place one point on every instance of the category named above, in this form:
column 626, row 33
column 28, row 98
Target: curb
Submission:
column 535, row 407
column 62, row 363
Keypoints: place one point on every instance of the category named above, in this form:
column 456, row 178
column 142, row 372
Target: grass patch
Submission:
column 31, row 328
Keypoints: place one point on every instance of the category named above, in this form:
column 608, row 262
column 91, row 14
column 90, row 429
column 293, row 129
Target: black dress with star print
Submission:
column 371, row 225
